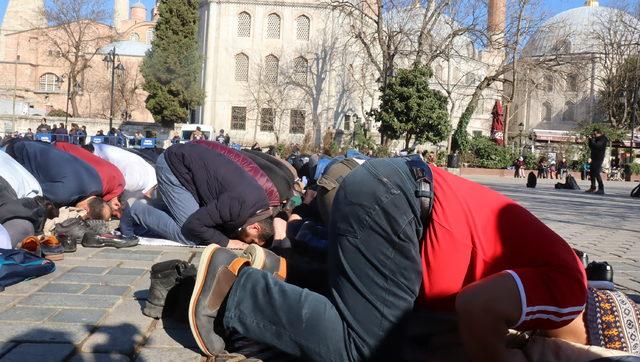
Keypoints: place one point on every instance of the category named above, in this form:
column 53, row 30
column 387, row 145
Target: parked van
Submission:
column 185, row 131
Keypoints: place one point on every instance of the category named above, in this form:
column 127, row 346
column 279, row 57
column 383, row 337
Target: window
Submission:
column 150, row 35
column 134, row 37
column 273, row 26
column 297, row 122
column 242, row 67
column 244, row 25
column 300, row 70
column 548, row 83
column 50, row 83
column 347, row 122
column 471, row 51
column 439, row 70
column 271, row 64
column 239, row 118
column 267, row 119
column 302, row 28
column 569, row 112
column 547, row 112
column 572, row 83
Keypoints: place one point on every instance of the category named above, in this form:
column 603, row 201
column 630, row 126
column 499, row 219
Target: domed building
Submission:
column 553, row 101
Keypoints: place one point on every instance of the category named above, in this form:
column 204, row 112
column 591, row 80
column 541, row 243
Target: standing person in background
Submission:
column 197, row 135
column 220, row 138
column 44, row 127
column 553, row 170
column 598, row 145
column 562, row 168
column 29, row 134
column 227, row 139
column 82, row 135
column 520, row 166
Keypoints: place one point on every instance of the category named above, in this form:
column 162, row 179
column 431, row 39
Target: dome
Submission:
column 138, row 5
column 575, row 31
column 127, row 48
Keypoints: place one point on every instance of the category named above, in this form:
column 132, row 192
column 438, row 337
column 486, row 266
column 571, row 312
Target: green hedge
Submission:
column 484, row 153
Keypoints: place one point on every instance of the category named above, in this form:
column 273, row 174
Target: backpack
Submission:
column 20, row 265
column 636, row 192
column 571, row 183
column 329, row 183
column 532, row 180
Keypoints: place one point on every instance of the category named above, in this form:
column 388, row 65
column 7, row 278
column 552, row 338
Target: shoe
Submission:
column 99, row 227
column 266, row 260
column 591, row 190
column 165, row 277
column 599, row 192
column 70, row 233
column 30, row 244
column 600, row 272
column 91, row 240
column 51, row 248
column 584, row 257
column 217, row 271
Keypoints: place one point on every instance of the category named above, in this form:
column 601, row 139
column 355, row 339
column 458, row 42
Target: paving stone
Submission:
column 128, row 256
column 97, row 279
column 70, row 301
column 126, row 271
column 140, row 289
column 145, row 252
column 168, row 354
column 99, row 357
column 43, row 332
column 82, row 316
column 49, row 352
column 27, row 314
column 63, row 288
column 124, row 328
column 171, row 338
column 106, row 290
column 88, row 270
column 137, row 264
column 90, row 262
column 7, row 300
column 171, row 255
column 25, row 288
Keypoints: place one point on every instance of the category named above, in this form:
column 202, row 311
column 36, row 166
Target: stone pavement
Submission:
column 89, row 309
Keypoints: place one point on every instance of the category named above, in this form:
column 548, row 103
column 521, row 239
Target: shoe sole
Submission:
column 54, row 257
column 108, row 245
column 257, row 256
column 201, row 276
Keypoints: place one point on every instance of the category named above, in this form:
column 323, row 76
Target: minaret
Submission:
column 120, row 13
column 591, row 3
column 23, row 15
column 497, row 22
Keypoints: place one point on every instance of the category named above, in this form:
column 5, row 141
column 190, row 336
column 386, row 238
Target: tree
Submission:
column 77, row 34
column 410, row 109
column 172, row 67
column 619, row 93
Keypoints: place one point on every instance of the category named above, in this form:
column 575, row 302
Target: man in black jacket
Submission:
column 598, row 146
column 209, row 199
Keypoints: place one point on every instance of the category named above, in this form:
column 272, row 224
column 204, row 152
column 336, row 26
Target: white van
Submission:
column 185, row 131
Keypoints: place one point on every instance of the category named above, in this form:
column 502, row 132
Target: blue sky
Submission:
column 552, row 6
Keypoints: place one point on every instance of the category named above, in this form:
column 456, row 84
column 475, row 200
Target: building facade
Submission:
column 34, row 77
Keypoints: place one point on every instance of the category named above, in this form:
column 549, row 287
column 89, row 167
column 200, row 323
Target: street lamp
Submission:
column 520, row 129
column 111, row 59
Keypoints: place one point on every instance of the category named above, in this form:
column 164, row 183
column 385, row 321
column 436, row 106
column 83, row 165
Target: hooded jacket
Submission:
column 228, row 196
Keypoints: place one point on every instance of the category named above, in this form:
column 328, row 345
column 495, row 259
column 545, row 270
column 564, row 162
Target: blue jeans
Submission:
column 166, row 220
column 375, row 275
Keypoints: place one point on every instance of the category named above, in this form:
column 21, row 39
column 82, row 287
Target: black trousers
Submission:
column 596, row 175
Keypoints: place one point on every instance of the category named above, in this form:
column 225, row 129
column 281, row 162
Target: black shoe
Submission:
column 91, row 240
column 98, row 227
column 217, row 271
column 584, row 257
column 599, row 192
column 591, row 190
column 170, row 280
column 600, row 272
column 70, row 233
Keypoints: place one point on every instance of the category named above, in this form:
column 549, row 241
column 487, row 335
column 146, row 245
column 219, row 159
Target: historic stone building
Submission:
column 33, row 77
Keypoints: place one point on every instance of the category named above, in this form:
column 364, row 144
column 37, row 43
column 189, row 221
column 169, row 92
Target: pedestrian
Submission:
column 43, row 127
column 470, row 252
column 197, row 135
column 227, row 139
column 82, row 135
column 598, row 146
column 542, row 168
column 553, row 170
column 220, row 138
column 29, row 134
column 562, row 168
column 520, row 166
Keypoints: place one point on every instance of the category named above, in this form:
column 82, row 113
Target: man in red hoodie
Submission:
column 113, row 181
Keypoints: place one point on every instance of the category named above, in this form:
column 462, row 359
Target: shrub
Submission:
column 58, row 113
column 484, row 153
column 635, row 168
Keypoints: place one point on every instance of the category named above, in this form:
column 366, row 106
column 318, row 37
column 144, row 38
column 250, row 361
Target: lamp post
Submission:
column 634, row 118
column 111, row 59
column 520, row 130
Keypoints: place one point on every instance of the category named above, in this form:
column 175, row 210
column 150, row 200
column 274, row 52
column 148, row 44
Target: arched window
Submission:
column 49, row 83
column 244, row 25
column 471, row 51
column 548, row 83
column 300, row 70
column 134, row 37
column 273, row 26
column 547, row 112
column 302, row 27
column 150, row 35
column 242, row 67
column 569, row 112
column 439, row 72
column 271, row 64
column 572, row 83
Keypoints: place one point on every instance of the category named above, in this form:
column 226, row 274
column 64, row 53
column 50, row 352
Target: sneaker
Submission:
column 51, row 248
column 91, row 240
column 165, row 277
column 266, row 260
column 217, row 271
column 599, row 272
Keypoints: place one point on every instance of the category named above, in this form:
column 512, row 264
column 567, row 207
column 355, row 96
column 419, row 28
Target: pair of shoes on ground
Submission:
column 109, row 240
column 594, row 191
column 48, row 247
column 217, row 272
column 71, row 232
